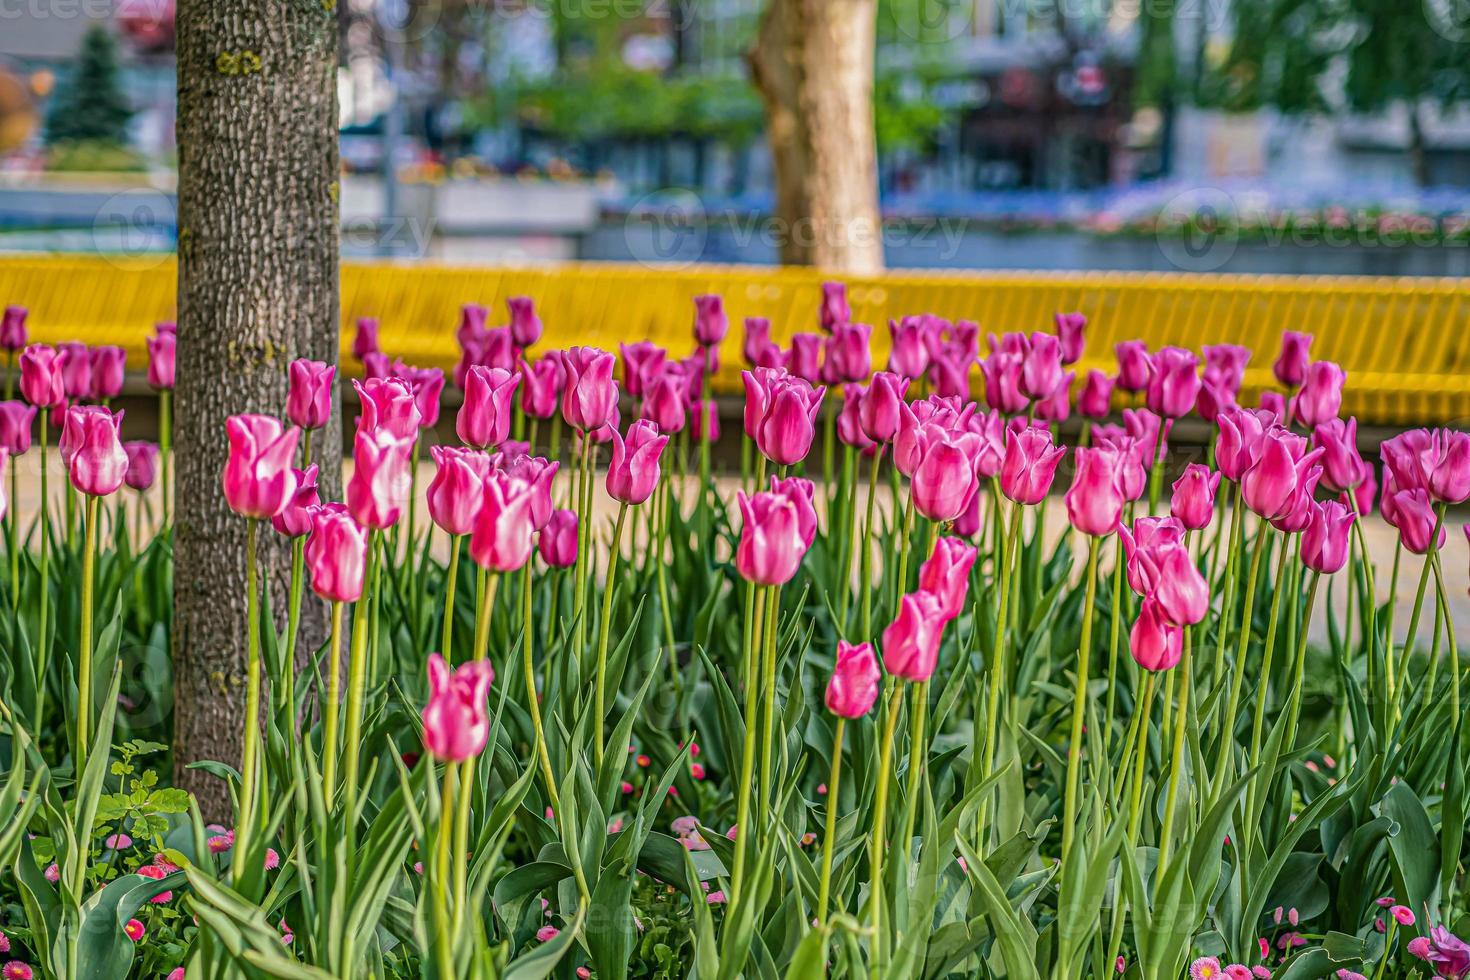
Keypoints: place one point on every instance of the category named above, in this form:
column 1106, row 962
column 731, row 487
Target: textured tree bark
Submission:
column 258, row 243
column 813, row 65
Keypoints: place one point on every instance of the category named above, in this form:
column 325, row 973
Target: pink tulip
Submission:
column 946, row 575
column 161, row 361
column 757, row 347
column 908, row 354
column 1097, row 393
column 1448, row 468
column 634, row 472
column 1095, row 499
column 805, row 359
column 1242, row 433
column 1030, row 465
column 13, row 328
column 258, row 479
column 1041, row 367
column 142, row 464
column 1364, row 494
column 1056, row 407
column 540, row 388
column 911, row 641
column 787, row 407
column 456, row 718
column 949, row 375
column 473, row 319
column 1291, row 365
column 848, row 355
column 1070, row 330
column 295, row 519
column 664, row 400
column 107, row 368
column 376, row 366
column 1155, row 644
column 484, row 418
column 591, row 395
column 525, row 325
column 641, row 361
column 1212, row 400
column 427, row 385
column 771, row 546
column 1194, row 496
column 1133, row 365
column 309, row 401
column 801, row 493
column 1182, row 594
column 853, row 686
column 1173, row 384
column 1275, row 405
column 1320, row 398
column 76, row 369
column 706, row 426
column 379, row 487
column 1145, row 546
column 1415, row 518
column 968, row 525
column 878, row 411
column 16, row 419
column 1342, row 467
column 834, row 310
column 710, row 322
column 1015, row 344
column 387, row 405
column 1225, row 366
column 336, row 554
column 1409, row 457
column 457, row 489
column 1270, row 486
column 40, row 376
column 365, row 341
column 1325, row 541
column 1003, row 373
column 849, row 419
column 557, row 541
column 1132, row 459
column 535, row 474
column 945, row 478
column 501, row 540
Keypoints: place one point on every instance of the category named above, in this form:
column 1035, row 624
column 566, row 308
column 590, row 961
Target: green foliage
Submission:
column 89, row 106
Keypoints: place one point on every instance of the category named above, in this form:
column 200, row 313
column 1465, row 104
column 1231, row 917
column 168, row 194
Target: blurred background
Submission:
column 1318, row 136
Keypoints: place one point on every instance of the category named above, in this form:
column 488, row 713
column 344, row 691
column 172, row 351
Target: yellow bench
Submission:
column 1405, row 343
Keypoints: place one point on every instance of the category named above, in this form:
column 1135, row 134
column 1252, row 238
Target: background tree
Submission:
column 89, row 105
column 258, row 244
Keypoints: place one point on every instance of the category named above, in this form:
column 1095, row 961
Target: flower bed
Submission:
column 793, row 733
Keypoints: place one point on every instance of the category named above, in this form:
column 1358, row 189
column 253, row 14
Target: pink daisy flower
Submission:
column 135, row 930
column 1206, row 968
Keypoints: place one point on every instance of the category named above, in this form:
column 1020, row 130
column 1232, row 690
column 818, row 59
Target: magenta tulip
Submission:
column 1414, row 516
column 161, row 361
column 16, row 419
column 387, row 405
column 706, row 425
column 75, row 360
column 664, row 402
column 946, row 575
column 1342, row 467
column 1095, row 401
column 1071, row 328
column 377, row 366
column 1002, row 372
column 922, row 423
column 633, row 472
column 1270, row 486
column 1320, row 398
column 945, row 478
column 557, row 541
column 849, row 357
column 1212, row 400
column 295, row 519
column 535, row 474
column 908, row 353
column 1133, row 459
column 1155, row 644
column 142, row 464
column 801, row 492
column 525, row 325
column 1242, row 432
column 710, row 322
column 1291, row 365
column 757, row 347
column 309, row 400
column 108, row 366
column 484, row 418
column 365, row 340
column 834, row 310
column 949, row 375
column 1325, row 541
column 473, row 318
column 1145, row 546
column 501, row 540
column 458, row 487
column 13, row 328
column 911, row 641
column 1173, row 383
column 1133, row 365
column 1041, row 367
column 853, row 686
column 771, row 545
column 805, row 359
column 427, row 385
column 878, row 411
column 1030, row 465
column 540, row 387
column 1225, row 366
column 1057, row 406
column 1448, row 469
column 336, row 554
column 456, row 717
column 1095, row 499
column 379, row 488
column 1182, row 594
column 967, row 525
column 1409, row 457
column 641, row 361
column 591, row 394
column 258, row 479
column 40, row 376
column 849, row 419
column 1193, row 501
column 788, row 409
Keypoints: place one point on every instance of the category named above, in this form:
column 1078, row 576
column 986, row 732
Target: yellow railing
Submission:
column 1405, row 343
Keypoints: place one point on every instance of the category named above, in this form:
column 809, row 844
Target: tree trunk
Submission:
column 1418, row 152
column 258, row 242
column 813, row 65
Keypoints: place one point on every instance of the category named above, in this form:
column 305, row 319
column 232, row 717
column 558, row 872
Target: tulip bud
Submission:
column 1242, row 433
column 484, row 418
column 641, row 361
column 536, row 474
column 456, row 718
column 757, row 347
column 1270, row 486
column 40, row 376
column 1212, row 400
column 946, row 575
column 834, row 310
column 878, row 411
column 853, row 686
column 13, row 328
column 908, row 356
column 1173, row 384
column 473, row 318
column 1133, row 365
column 706, row 427
column 1029, row 466
column 710, row 322
column 1155, row 644
column 1325, row 541
column 525, row 325
column 258, row 479
column 849, row 419
column 1097, row 394
column 16, row 419
column 142, row 464
column 1225, row 367
column 76, row 369
column 1041, row 368
column 107, row 368
column 591, row 395
column 664, row 401
column 457, row 489
column 540, row 387
column 1342, row 467
column 1194, row 496
column 336, row 554
column 801, row 493
column 849, row 357
column 1145, row 547
column 788, row 420
column 161, row 361
column 1291, row 365
column 968, row 525
column 501, row 541
column 427, row 385
column 945, row 478
column 771, row 546
column 557, row 541
column 295, row 519
column 1095, row 499
column 1320, row 398
column 1002, row 373
column 388, row 404
column 365, row 341
column 1449, row 474
column 911, row 641
column 805, row 358
column 634, row 472
column 1415, row 518
column 1056, row 406
column 949, row 375
column 1181, row 592
column 379, row 488
column 1070, row 330
column 309, row 401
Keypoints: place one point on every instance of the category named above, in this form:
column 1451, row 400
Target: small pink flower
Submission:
column 627, row 788
column 1120, row 964
column 1265, row 947
column 52, row 872
column 177, row 974
column 118, row 842
column 583, row 973
column 272, row 859
column 157, row 872
column 1205, row 968
column 1402, row 914
column 821, row 789
column 696, row 770
column 808, row 839
column 1261, row 973
column 135, row 930
column 715, row 898
column 547, row 933
column 1237, row 971
column 16, row 970
column 1385, row 901
column 220, row 843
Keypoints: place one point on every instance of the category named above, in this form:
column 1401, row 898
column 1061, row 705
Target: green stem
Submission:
column 584, row 533
column 918, row 748
column 165, row 441
column 1176, row 762
column 444, row 952
column 293, row 623
column 1263, row 689
column 533, row 704
column 248, row 776
column 1449, row 625
column 1293, row 711
column 334, row 707
column 660, row 531
column 84, row 657
column 754, row 604
column 998, row 664
column 768, row 697
column 451, row 586
column 43, row 646
column 865, row 560
column 1079, row 704
column 12, row 526
column 1227, row 724
column 1135, row 746
column 848, row 512
column 609, row 598
column 880, row 818
column 828, row 838
column 357, row 683
column 1237, row 531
